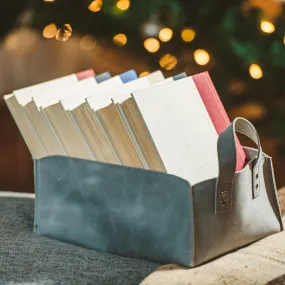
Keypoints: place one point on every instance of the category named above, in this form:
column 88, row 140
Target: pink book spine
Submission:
column 216, row 110
column 85, row 74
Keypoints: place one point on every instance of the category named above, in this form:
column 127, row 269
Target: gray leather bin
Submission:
column 157, row 216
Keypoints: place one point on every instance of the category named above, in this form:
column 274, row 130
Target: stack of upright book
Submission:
column 163, row 124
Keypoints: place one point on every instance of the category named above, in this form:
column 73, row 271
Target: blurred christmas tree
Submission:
column 241, row 43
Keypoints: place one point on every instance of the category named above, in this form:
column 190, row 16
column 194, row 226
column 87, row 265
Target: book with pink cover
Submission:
column 216, row 110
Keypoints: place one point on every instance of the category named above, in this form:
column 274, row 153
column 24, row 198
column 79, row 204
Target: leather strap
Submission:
column 227, row 163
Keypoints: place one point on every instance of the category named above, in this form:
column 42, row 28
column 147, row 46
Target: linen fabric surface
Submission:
column 26, row 258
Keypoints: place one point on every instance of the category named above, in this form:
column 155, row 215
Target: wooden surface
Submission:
column 261, row 263
column 258, row 264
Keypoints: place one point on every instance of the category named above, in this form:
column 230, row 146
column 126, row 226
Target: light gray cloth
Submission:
column 29, row 259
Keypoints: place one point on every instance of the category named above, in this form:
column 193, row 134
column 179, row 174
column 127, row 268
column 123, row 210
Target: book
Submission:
column 85, row 74
column 216, row 110
column 105, row 111
column 94, row 134
column 186, row 148
column 128, row 76
column 89, row 126
column 179, row 76
column 23, row 96
column 63, row 123
column 133, row 122
column 70, row 139
column 67, row 124
column 48, row 95
column 103, row 77
column 33, row 143
column 75, row 100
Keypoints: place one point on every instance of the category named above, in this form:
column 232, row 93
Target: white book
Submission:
column 82, row 118
column 25, row 95
column 123, row 97
column 131, row 118
column 54, row 95
column 181, row 129
column 62, row 122
column 31, row 124
column 78, row 98
column 59, row 122
column 104, row 98
column 105, row 112
column 24, row 125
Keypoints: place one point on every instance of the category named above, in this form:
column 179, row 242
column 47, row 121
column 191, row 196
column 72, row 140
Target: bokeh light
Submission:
column 188, row 35
column 64, row 33
column 201, row 56
column 255, row 71
column 144, row 73
column 165, row 34
column 168, row 61
column 120, row 39
column 50, row 31
column 87, row 42
column 123, row 4
column 151, row 45
column 95, row 6
column 267, row 27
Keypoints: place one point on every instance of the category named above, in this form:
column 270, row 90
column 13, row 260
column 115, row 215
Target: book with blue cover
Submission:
column 128, row 76
column 103, row 77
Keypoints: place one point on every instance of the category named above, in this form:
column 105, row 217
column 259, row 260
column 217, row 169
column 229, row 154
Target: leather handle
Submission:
column 227, row 163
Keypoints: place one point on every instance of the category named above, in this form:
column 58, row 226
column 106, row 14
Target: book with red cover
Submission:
column 85, row 74
column 216, row 110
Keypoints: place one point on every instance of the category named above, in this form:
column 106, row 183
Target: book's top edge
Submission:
column 25, row 95
column 103, row 99
column 8, row 96
column 54, row 96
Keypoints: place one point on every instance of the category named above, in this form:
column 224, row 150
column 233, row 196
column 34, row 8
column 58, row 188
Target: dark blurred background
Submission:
column 241, row 44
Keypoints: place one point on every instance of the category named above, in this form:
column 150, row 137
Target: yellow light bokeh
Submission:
column 50, row 31
column 21, row 41
column 284, row 40
column 188, row 35
column 249, row 110
column 267, row 27
column 88, row 42
column 168, row 61
column 49, row 0
column 145, row 73
column 120, row 39
column 95, row 6
column 151, row 45
column 201, row 56
column 255, row 71
column 64, row 33
column 123, row 4
column 165, row 34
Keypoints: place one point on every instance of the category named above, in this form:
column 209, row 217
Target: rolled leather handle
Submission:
column 227, row 163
